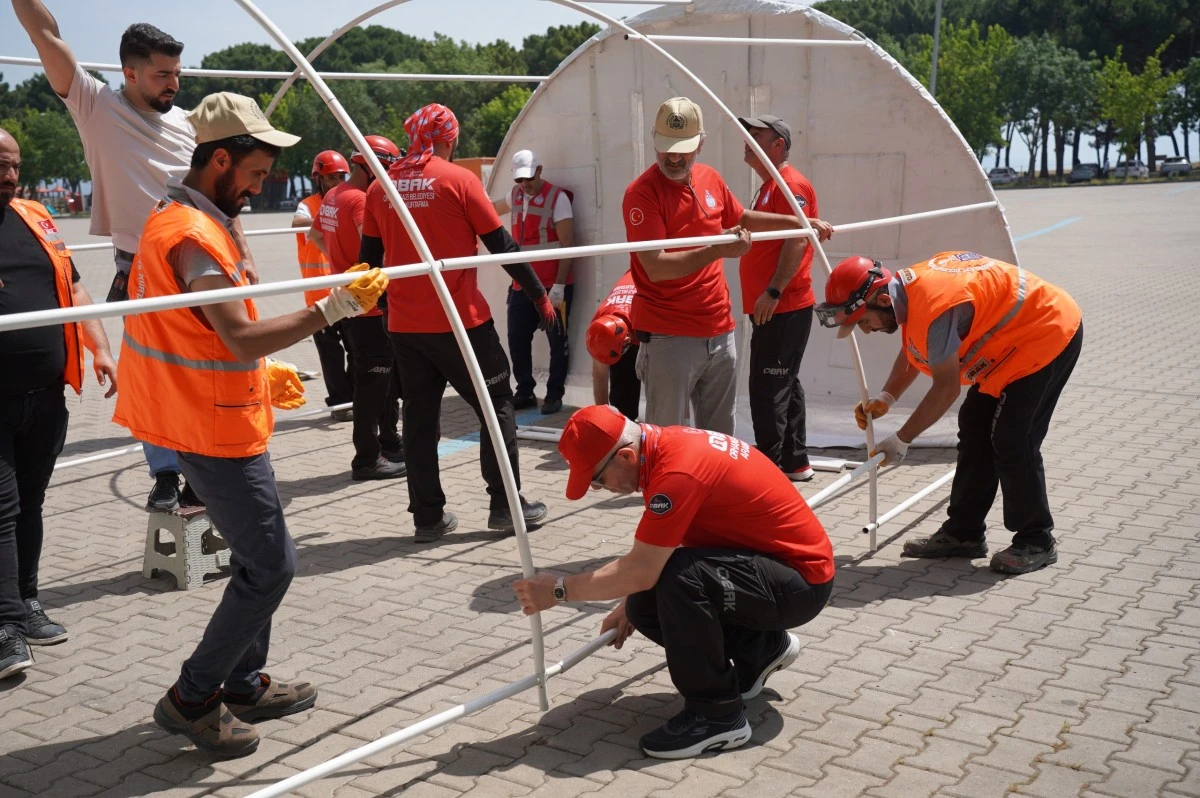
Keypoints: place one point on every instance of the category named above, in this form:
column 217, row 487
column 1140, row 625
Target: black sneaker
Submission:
column 690, row 734
column 393, row 457
column 551, row 406
column 382, row 469
column 521, row 402
column 42, row 630
column 188, row 497
column 15, row 655
column 944, row 544
column 1024, row 559
column 430, row 533
column 751, row 684
column 164, row 496
column 500, row 518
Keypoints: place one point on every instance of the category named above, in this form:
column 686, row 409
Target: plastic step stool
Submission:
column 193, row 550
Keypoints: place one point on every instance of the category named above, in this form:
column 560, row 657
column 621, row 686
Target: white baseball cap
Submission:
column 524, row 164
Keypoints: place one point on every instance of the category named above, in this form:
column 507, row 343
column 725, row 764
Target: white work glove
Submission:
column 558, row 292
column 876, row 406
column 893, row 449
column 354, row 299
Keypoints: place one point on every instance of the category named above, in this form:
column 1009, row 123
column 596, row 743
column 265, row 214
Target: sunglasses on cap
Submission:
column 384, row 157
column 831, row 315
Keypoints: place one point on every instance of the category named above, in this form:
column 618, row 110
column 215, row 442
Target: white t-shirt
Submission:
column 131, row 155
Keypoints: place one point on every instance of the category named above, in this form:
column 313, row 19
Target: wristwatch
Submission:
column 560, row 589
column 772, row 292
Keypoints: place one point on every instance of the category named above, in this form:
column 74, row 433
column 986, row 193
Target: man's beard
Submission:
column 7, row 194
column 228, row 200
column 159, row 103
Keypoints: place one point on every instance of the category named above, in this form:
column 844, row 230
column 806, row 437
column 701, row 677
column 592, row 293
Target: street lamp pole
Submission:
column 937, row 36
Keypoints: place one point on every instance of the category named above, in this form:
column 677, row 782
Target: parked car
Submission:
column 1134, row 169
column 288, row 204
column 1003, row 175
column 1175, row 165
column 1083, row 172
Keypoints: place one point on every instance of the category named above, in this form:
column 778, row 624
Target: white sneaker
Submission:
column 791, row 650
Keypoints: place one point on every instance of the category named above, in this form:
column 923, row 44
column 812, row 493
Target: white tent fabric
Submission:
column 867, row 134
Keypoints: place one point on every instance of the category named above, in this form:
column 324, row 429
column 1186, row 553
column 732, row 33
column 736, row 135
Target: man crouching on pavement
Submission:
column 727, row 556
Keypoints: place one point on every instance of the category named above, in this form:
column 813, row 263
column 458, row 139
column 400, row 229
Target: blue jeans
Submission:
column 160, row 460
column 243, row 503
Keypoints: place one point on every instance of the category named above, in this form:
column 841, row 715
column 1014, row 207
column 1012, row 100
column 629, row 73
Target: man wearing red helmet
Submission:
column 453, row 213
column 329, row 169
column 378, row 450
column 726, row 558
column 613, row 347
column 966, row 319
column 682, row 311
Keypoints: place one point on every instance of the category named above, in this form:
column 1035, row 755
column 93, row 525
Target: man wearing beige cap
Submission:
column 134, row 139
column 196, row 380
column 541, row 218
column 682, row 312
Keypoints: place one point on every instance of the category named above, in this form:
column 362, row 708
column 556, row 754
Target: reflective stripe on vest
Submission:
column 543, row 213
column 185, row 362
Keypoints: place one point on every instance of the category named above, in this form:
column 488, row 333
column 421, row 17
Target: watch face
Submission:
column 559, row 593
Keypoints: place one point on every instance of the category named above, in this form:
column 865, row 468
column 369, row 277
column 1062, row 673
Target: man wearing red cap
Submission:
column 453, row 213
column 966, row 319
column 329, row 169
column 726, row 558
column 613, row 348
column 378, row 450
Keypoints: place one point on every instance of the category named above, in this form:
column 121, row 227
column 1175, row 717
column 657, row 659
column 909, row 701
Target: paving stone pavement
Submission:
column 922, row 678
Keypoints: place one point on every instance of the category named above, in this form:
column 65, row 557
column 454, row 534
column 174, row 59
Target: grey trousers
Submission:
column 676, row 370
column 243, row 503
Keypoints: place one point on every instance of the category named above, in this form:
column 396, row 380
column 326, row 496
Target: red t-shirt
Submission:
column 758, row 265
column 697, row 304
column 710, row 489
column 339, row 218
column 451, row 210
column 620, row 299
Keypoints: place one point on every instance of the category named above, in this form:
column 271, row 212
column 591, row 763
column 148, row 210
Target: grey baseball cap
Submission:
column 772, row 122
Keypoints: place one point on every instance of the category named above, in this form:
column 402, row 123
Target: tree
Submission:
column 50, row 148
column 544, row 52
column 489, row 125
column 1131, row 101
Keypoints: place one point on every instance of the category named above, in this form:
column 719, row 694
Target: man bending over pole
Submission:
column 726, row 558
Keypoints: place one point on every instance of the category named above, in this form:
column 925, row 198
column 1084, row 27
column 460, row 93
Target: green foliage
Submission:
column 50, row 147
column 488, row 127
column 1130, row 100
column 543, row 53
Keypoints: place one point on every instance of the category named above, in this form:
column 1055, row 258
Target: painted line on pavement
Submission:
column 472, row 438
column 1056, row 226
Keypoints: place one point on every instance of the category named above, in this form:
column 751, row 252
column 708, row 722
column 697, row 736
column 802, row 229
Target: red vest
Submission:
column 533, row 229
column 38, row 219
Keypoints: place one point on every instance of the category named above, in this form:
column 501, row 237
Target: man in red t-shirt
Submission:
column 726, row 558
column 777, row 294
column 613, row 347
column 682, row 311
column 452, row 212
column 378, row 450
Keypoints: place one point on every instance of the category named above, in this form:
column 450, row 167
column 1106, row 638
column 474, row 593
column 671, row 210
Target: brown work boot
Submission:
column 272, row 700
column 211, row 727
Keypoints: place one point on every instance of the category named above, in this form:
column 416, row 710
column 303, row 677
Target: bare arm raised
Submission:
column 57, row 59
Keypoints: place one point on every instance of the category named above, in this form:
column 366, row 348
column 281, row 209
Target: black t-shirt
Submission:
column 33, row 358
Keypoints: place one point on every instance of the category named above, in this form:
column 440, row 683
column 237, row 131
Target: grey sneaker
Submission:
column 1024, row 559
column 42, row 630
column 15, row 655
column 943, row 544
column 501, row 518
column 432, row 532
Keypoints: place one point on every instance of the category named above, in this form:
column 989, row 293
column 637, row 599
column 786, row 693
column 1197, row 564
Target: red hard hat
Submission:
column 329, row 162
column 846, row 292
column 385, row 150
column 608, row 338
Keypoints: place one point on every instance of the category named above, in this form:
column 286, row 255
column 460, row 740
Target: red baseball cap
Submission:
column 590, row 434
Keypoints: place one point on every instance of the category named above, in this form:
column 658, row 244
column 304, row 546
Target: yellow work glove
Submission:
column 875, row 407
column 355, row 299
column 287, row 392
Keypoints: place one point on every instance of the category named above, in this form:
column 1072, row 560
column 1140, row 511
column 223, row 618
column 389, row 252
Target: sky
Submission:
column 93, row 30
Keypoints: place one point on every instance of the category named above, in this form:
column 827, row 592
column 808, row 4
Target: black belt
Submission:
column 641, row 335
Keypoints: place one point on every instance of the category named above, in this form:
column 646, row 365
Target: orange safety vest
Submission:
column 181, row 387
column 38, row 219
column 1021, row 321
column 533, row 229
column 313, row 262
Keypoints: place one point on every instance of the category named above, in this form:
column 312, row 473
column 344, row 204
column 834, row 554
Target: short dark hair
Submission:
column 237, row 146
column 141, row 39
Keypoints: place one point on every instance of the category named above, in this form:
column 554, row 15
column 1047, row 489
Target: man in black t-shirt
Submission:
column 36, row 273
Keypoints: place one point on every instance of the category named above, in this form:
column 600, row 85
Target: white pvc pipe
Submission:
column 825, row 494
column 98, row 456
column 433, row 269
column 746, row 40
column 429, row 724
column 909, row 502
column 916, row 217
column 274, row 231
column 266, row 75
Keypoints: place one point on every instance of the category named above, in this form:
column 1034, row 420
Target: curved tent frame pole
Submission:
column 460, row 333
column 320, row 48
column 778, row 179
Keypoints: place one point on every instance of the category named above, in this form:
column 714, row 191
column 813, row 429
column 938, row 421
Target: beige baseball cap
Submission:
column 678, row 126
column 225, row 114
